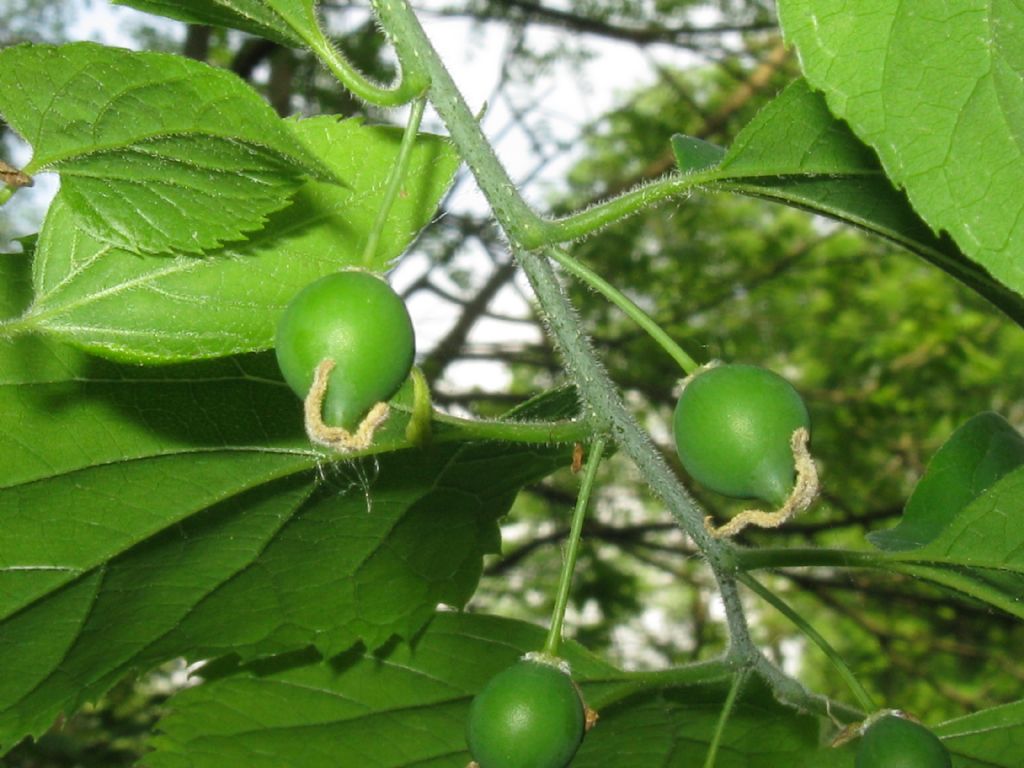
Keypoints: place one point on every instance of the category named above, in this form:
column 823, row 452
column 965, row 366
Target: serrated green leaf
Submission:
column 286, row 21
column 993, row 737
column 795, row 152
column 937, row 89
column 147, row 514
column 164, row 309
column 156, row 152
column 988, row 532
column 408, row 707
column 977, row 454
column 980, row 551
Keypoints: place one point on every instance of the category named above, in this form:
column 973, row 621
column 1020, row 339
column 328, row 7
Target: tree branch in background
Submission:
column 449, row 347
column 650, row 34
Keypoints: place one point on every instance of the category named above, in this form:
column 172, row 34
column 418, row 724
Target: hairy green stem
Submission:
column 410, row 41
column 862, row 696
column 756, row 559
column 395, row 178
column 412, row 81
column 608, row 691
column 627, row 305
column 791, row 692
column 525, row 230
column 5, row 194
column 572, row 549
column 451, row 429
column 522, row 225
column 589, row 220
column 609, row 413
column 539, row 433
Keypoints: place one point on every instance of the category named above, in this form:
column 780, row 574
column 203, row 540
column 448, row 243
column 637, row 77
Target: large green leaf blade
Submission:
column 123, row 616
column 795, row 134
column 147, row 514
column 156, row 152
column 937, row 89
column 989, row 532
column 408, row 707
column 281, row 566
column 992, row 737
column 979, row 552
column 981, row 451
column 795, row 152
column 183, row 307
column 287, row 21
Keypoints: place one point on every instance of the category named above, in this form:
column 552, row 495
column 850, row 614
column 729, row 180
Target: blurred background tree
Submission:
column 890, row 353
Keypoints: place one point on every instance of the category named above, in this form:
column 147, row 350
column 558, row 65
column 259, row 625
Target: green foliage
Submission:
column 111, row 733
column 407, row 705
column 979, row 551
column 797, row 153
column 287, row 21
column 938, row 94
column 156, row 153
column 890, row 355
column 160, row 500
column 992, row 736
column 184, row 522
column 185, row 307
column 978, row 454
column 186, row 547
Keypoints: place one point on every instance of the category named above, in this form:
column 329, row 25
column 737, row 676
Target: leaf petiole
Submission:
column 627, row 305
column 572, row 550
column 580, row 224
column 727, row 707
column 411, row 84
column 395, row 178
column 863, row 697
column 541, row 433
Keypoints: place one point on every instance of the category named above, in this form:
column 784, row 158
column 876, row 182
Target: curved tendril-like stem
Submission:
column 395, row 178
column 409, row 84
column 627, row 305
column 572, row 549
column 727, row 707
column 864, row 699
column 804, row 492
column 337, row 438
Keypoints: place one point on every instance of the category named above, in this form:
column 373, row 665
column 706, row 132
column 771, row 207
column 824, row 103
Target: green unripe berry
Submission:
column 733, row 425
column 895, row 742
column 356, row 319
column 528, row 716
